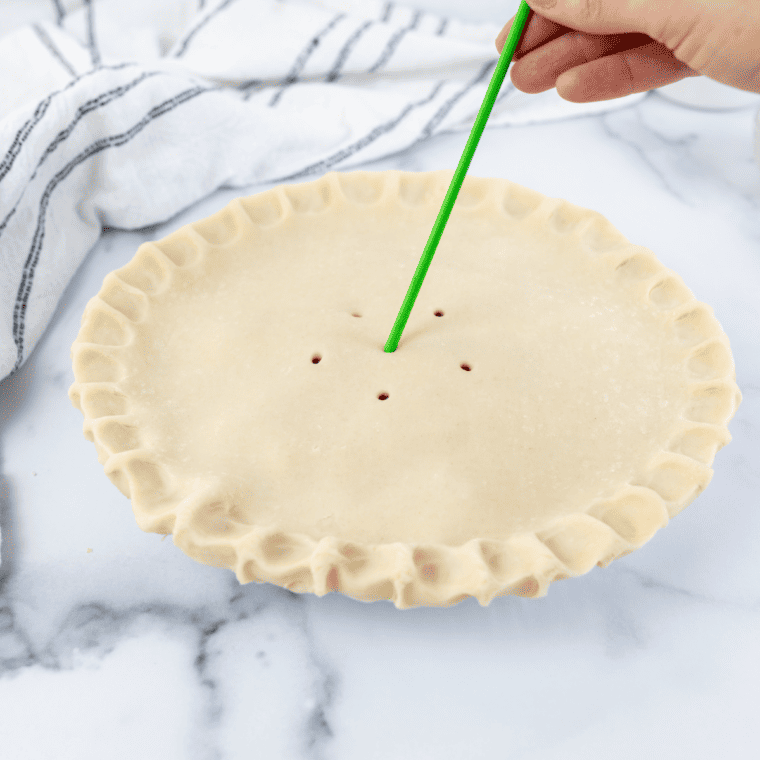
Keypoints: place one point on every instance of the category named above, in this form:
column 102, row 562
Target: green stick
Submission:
column 513, row 40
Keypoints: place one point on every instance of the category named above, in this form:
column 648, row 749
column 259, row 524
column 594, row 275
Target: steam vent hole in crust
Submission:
column 316, row 357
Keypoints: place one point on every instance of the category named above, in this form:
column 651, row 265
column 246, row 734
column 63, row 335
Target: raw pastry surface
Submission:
column 556, row 395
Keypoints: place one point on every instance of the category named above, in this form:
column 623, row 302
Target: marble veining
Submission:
column 113, row 644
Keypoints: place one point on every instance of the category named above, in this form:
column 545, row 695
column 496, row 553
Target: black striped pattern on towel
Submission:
column 26, row 129
column 304, row 56
column 197, row 28
column 345, row 51
column 104, row 143
column 91, row 41
column 393, row 43
column 60, row 12
column 53, row 49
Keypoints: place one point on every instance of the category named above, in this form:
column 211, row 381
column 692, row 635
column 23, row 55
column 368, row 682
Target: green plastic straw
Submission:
column 513, row 40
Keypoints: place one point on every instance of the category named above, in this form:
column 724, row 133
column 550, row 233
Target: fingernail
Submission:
column 542, row 4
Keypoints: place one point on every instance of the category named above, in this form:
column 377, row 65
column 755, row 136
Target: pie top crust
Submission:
column 556, row 396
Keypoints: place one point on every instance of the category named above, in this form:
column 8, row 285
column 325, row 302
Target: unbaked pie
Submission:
column 556, row 397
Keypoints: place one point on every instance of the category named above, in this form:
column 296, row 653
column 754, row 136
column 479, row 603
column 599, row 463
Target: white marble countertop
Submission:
column 114, row 644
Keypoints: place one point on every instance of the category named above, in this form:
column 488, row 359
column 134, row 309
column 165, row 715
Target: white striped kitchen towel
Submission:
column 122, row 114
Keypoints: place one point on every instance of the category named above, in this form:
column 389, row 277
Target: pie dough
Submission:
column 557, row 394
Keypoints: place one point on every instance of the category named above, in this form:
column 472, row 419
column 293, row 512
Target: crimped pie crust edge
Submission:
column 409, row 575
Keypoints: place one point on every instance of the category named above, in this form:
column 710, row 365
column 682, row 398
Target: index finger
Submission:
column 537, row 31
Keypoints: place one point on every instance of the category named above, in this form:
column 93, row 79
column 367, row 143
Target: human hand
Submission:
column 603, row 49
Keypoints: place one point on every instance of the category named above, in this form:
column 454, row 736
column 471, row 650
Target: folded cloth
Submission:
column 121, row 116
